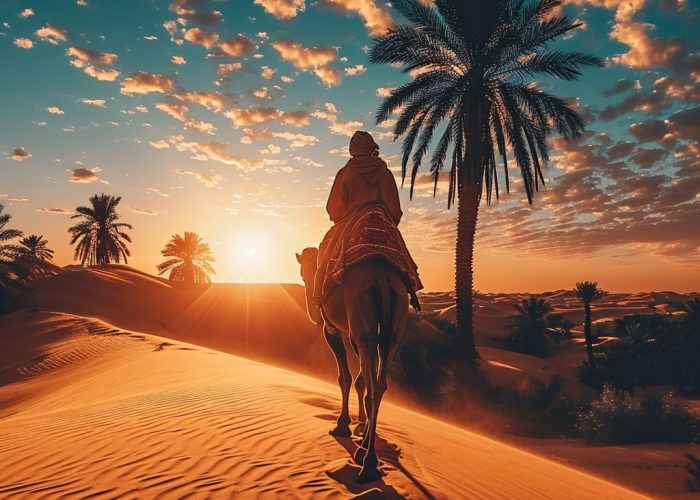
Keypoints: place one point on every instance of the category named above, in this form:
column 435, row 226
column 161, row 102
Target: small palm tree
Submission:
column 529, row 327
column 12, row 275
column 100, row 237
column 190, row 260
column 588, row 292
column 475, row 66
column 35, row 247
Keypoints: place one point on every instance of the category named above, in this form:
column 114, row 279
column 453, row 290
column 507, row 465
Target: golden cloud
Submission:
column 282, row 9
column 52, row 34
column 145, row 83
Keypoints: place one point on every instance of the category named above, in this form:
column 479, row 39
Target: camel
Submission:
column 371, row 307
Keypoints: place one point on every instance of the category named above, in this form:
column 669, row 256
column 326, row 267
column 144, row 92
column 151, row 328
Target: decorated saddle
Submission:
column 370, row 233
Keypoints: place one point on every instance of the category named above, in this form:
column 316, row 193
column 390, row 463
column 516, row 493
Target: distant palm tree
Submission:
column 191, row 259
column 8, row 251
column 474, row 65
column 588, row 292
column 100, row 237
column 35, row 247
column 12, row 275
column 529, row 327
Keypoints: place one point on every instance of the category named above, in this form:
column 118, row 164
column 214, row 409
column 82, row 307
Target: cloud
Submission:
column 187, row 10
column 621, row 86
column 55, row 210
column 266, row 72
column 201, row 37
column 159, row 144
column 55, row 110
column 92, row 56
column 158, row 192
column 227, row 69
column 100, row 103
column 20, row 154
column 377, row 19
column 209, row 178
column 211, row 151
column 179, row 112
column 315, row 59
column 213, row 101
column 26, row 13
column 358, row 69
column 648, row 157
column 384, row 92
column 85, row 175
column 178, row 60
column 142, row 211
column 93, row 63
column 649, row 103
column 145, row 83
column 282, row 9
column 238, row 46
column 24, row 43
column 52, row 34
column 245, row 117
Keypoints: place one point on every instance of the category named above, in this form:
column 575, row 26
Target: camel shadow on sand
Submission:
column 345, row 471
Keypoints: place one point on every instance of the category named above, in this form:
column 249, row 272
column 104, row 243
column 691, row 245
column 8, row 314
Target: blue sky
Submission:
column 93, row 100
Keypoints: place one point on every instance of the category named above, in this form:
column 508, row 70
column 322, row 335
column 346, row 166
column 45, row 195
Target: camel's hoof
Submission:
column 369, row 475
column 360, row 429
column 359, row 455
column 340, row 431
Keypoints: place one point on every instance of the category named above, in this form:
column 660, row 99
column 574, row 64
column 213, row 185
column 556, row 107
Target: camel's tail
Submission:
column 385, row 309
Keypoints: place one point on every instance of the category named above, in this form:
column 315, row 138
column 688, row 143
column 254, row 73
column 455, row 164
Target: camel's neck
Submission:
column 313, row 312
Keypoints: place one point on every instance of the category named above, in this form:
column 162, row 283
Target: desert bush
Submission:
column 618, row 417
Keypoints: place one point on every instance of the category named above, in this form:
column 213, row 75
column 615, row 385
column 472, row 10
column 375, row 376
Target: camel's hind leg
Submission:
column 360, row 388
column 335, row 341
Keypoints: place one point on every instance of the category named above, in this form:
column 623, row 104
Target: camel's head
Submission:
column 308, row 261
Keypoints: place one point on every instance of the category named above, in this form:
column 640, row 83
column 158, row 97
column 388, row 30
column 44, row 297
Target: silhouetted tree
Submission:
column 191, row 259
column 474, row 65
column 690, row 343
column 588, row 292
column 12, row 275
column 35, row 247
column 529, row 327
column 100, row 237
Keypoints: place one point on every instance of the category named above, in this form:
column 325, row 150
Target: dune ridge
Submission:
column 143, row 415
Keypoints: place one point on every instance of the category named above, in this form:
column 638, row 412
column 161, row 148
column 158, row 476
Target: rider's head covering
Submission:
column 362, row 144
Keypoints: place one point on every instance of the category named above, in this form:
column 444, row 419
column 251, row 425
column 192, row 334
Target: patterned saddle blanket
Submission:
column 368, row 234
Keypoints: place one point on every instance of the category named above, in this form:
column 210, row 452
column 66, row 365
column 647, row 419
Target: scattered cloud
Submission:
column 377, row 19
column 55, row 110
column 282, row 9
column 142, row 211
column 238, row 46
column 93, row 63
column 210, row 151
column 26, row 13
column 178, row 60
column 100, row 103
column 209, row 178
column 85, row 175
column 55, row 210
column 145, row 83
column 227, row 69
column 20, row 154
column 315, row 59
column 188, row 11
column 358, row 69
column 52, row 34
column 24, row 43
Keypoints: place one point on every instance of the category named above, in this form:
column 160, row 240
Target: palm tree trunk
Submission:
column 588, row 334
column 467, row 213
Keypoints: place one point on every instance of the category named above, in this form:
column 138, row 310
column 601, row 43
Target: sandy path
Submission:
column 139, row 418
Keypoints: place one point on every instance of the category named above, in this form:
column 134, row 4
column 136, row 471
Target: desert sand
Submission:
column 117, row 383
column 97, row 410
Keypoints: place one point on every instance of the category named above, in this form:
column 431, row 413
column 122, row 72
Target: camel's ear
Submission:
column 298, row 258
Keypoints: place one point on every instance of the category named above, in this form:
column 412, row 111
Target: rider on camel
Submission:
column 365, row 182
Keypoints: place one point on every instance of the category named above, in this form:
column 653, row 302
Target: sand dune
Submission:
column 91, row 409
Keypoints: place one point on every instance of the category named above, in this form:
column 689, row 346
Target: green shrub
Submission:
column 618, row 417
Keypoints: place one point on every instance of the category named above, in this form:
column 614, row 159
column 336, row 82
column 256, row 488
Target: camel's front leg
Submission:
column 334, row 339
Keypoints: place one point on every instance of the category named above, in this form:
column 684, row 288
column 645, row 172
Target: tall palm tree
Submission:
column 36, row 248
column 529, row 327
column 588, row 292
column 474, row 65
column 190, row 260
column 100, row 237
